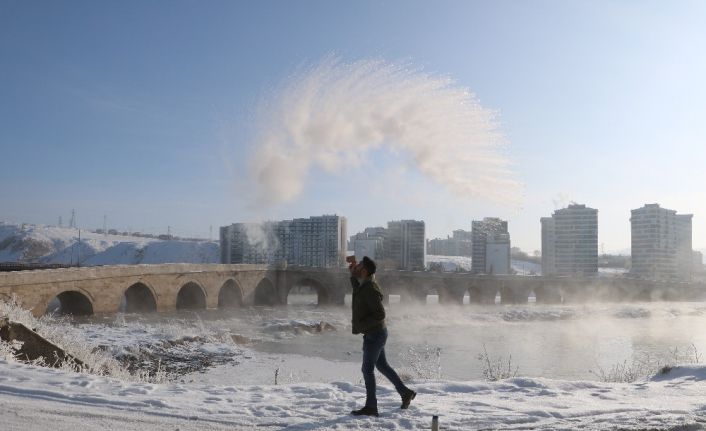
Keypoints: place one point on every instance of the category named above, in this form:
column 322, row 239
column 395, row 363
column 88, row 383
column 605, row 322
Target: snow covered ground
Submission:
column 241, row 394
column 38, row 399
column 51, row 244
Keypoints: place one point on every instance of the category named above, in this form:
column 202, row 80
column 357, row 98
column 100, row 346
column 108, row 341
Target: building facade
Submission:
column 481, row 231
column 661, row 247
column 369, row 243
column 457, row 245
column 570, row 241
column 548, row 246
column 405, row 245
column 315, row 241
column 497, row 254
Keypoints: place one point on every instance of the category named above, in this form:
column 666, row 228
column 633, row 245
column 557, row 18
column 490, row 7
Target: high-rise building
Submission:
column 369, row 243
column 405, row 245
column 458, row 245
column 697, row 265
column 314, row 241
column 548, row 246
column 661, row 243
column 481, row 230
column 255, row 243
column 497, row 254
column 570, row 241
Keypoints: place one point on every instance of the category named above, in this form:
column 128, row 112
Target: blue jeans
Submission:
column 374, row 356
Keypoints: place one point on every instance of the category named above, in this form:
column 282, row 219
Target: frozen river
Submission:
column 564, row 342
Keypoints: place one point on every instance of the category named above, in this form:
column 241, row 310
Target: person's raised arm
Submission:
column 352, row 268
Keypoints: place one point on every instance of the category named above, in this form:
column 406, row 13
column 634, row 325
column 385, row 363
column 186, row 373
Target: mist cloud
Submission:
column 331, row 115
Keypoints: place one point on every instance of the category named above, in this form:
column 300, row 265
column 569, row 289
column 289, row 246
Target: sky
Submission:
column 143, row 111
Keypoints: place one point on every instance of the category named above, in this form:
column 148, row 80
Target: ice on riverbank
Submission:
column 32, row 398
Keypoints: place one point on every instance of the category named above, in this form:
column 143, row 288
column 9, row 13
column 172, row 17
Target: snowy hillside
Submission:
column 50, row 244
column 463, row 263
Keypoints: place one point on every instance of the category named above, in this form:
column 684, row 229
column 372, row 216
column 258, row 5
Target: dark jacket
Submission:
column 368, row 312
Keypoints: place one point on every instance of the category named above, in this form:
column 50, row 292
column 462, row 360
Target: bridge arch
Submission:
column 433, row 295
column 482, row 294
column 74, row 302
column 307, row 284
column 265, row 293
column 139, row 298
column 191, row 296
column 230, row 295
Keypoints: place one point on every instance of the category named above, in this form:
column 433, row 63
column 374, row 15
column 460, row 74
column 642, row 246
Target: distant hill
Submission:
column 462, row 263
column 29, row 243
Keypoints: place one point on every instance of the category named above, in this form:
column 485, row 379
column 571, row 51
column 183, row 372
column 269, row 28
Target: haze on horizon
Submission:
column 145, row 112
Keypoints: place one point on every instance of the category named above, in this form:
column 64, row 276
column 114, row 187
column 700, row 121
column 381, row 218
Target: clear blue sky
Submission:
column 141, row 110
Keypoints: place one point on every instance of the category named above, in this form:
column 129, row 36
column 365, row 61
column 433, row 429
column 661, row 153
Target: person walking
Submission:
column 368, row 318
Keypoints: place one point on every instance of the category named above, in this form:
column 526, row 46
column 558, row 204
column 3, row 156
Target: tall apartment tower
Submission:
column 481, row 231
column 405, row 245
column 661, row 243
column 570, row 241
column 548, row 246
column 458, row 245
column 369, row 243
column 314, row 241
column 255, row 243
column 317, row 241
column 497, row 254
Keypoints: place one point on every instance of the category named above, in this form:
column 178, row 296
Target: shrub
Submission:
column 495, row 369
column 59, row 331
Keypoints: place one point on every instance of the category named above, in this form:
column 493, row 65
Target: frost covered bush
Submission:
column 421, row 363
column 59, row 331
column 624, row 372
column 495, row 369
column 646, row 366
column 8, row 349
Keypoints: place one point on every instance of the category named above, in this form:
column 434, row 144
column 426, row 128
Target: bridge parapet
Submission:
column 168, row 286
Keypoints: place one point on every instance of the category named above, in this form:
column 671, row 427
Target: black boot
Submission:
column 407, row 398
column 366, row 411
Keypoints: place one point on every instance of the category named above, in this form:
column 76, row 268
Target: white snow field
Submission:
column 33, row 398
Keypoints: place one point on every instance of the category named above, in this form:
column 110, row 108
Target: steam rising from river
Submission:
column 331, row 115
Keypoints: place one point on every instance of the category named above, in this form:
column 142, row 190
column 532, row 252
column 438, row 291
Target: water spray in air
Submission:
column 333, row 114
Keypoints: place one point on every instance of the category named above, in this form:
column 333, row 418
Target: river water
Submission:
column 431, row 340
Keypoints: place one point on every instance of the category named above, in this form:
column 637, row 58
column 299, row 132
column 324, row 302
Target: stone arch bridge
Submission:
column 166, row 287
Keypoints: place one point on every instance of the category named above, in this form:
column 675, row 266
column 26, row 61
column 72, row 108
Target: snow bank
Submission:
column 32, row 398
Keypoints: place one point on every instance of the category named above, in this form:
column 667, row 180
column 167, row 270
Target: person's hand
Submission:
column 355, row 269
column 351, row 263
